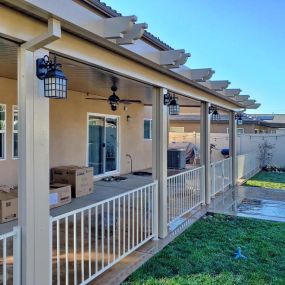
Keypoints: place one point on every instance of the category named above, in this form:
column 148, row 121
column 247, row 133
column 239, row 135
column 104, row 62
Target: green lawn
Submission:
column 204, row 255
column 267, row 180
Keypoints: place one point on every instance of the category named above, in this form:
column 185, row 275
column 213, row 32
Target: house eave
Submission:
column 38, row 13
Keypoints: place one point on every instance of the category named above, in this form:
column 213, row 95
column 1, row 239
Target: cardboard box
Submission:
column 80, row 179
column 8, row 207
column 60, row 194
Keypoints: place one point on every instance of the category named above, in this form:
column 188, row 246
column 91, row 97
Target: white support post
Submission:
column 205, row 148
column 232, row 143
column 33, row 171
column 159, row 148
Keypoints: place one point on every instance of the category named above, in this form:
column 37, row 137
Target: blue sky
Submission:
column 242, row 40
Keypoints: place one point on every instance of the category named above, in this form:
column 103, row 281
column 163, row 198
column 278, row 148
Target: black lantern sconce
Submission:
column 55, row 82
column 114, row 100
column 172, row 103
column 239, row 119
column 214, row 113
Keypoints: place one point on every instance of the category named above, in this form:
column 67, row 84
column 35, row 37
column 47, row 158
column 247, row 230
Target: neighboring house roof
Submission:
column 275, row 118
column 110, row 12
column 225, row 119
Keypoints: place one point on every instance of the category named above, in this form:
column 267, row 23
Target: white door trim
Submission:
column 118, row 162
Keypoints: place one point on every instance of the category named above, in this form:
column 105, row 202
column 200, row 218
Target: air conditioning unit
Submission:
column 176, row 158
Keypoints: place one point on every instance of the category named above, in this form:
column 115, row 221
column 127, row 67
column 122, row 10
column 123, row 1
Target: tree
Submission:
column 265, row 153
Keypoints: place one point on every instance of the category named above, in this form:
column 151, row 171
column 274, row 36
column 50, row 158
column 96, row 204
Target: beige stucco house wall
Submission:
column 9, row 166
column 68, row 132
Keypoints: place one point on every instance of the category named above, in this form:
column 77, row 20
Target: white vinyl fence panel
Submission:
column 10, row 257
column 185, row 191
column 90, row 240
column 248, row 164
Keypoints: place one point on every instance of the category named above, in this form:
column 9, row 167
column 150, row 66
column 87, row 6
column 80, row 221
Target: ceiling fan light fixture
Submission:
column 114, row 100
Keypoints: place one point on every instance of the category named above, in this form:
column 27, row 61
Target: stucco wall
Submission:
column 8, row 96
column 68, row 132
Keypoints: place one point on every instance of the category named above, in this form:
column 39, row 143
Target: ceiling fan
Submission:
column 114, row 99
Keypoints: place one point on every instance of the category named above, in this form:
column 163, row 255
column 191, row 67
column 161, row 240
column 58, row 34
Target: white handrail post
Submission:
column 202, row 184
column 155, row 211
column 214, row 178
column 17, row 256
column 223, row 174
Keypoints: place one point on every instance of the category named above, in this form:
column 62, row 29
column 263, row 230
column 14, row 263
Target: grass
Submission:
column 267, row 180
column 204, row 255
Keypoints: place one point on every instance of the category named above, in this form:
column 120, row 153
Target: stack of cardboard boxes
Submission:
column 8, row 204
column 80, row 179
column 67, row 182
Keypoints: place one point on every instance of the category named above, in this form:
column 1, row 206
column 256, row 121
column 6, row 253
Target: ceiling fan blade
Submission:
column 126, row 101
column 97, row 99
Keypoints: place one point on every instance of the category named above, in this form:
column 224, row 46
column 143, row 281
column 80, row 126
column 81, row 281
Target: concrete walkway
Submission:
column 251, row 202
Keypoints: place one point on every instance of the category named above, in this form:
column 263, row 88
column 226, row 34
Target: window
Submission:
column 147, row 129
column 15, row 132
column 240, row 131
column 2, row 131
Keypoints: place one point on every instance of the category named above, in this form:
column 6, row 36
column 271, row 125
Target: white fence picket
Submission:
column 100, row 235
column 185, row 191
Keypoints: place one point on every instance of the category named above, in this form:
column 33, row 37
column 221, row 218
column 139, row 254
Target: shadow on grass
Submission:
column 204, row 254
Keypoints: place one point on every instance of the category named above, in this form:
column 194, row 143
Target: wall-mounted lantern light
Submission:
column 239, row 119
column 215, row 116
column 114, row 100
column 55, row 82
column 172, row 103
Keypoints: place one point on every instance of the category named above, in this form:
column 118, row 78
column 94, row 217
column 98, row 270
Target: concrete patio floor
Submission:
column 251, row 202
column 102, row 190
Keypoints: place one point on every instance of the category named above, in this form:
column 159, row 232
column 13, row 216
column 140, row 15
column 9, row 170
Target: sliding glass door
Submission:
column 103, row 143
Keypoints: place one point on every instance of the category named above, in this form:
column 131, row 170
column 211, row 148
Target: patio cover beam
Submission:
column 253, row 106
column 134, row 34
column 198, row 75
column 231, row 92
column 217, row 85
column 241, row 98
column 105, row 54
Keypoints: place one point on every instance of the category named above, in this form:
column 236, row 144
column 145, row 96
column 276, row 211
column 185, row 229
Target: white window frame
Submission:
column 237, row 131
column 150, row 129
column 14, row 110
column 4, row 132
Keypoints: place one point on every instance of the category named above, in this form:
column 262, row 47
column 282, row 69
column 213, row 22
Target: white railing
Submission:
column 221, row 175
column 247, row 165
column 10, row 248
column 88, row 241
column 185, row 191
